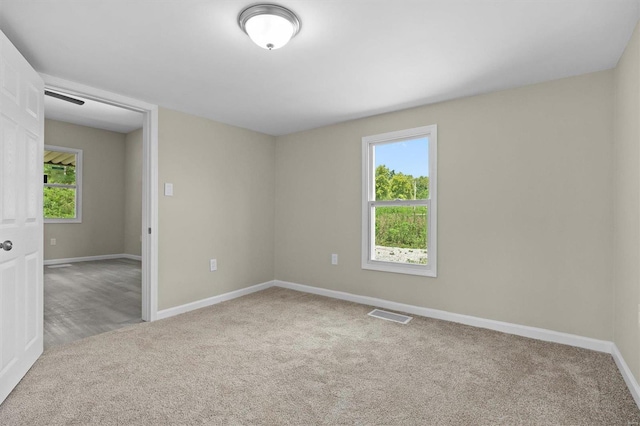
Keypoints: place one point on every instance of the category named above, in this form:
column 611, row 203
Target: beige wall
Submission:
column 223, row 207
column 626, row 189
column 539, row 207
column 524, row 208
column 102, row 228
column 133, row 193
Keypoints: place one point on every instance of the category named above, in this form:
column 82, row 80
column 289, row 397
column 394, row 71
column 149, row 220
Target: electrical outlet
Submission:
column 213, row 265
column 334, row 259
column 168, row 190
column 53, row 242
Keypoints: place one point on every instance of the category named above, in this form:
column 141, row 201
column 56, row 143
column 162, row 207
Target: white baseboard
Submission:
column 166, row 313
column 505, row 327
column 86, row 258
column 627, row 375
column 131, row 256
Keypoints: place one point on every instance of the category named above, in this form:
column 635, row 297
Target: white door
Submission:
column 21, row 181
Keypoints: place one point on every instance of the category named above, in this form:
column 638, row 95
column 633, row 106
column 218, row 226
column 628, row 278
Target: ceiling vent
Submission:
column 64, row 97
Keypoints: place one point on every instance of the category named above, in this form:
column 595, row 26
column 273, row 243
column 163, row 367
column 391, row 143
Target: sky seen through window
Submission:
column 410, row 157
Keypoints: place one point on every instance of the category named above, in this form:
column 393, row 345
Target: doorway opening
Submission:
column 100, row 255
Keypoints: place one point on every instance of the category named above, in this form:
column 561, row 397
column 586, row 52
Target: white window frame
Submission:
column 77, row 186
column 369, row 202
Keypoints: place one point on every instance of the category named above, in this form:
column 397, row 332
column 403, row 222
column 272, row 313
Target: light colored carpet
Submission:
column 284, row 357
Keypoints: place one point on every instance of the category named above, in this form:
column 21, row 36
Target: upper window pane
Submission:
column 60, row 167
column 402, row 170
column 62, row 202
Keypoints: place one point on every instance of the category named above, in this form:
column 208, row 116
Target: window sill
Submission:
column 421, row 270
column 62, row 221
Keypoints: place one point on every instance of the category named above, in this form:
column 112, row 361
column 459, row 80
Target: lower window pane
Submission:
column 401, row 234
column 59, row 203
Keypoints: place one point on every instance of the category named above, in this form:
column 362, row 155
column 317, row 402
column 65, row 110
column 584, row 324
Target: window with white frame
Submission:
column 399, row 201
column 62, row 185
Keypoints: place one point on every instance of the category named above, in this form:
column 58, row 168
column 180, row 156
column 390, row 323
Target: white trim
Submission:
column 627, row 375
column 170, row 312
column 131, row 256
column 150, row 215
column 77, row 186
column 433, row 197
column 368, row 202
column 89, row 258
column 93, row 93
column 149, row 179
column 504, row 327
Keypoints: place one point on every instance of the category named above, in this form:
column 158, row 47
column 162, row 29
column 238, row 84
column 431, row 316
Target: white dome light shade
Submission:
column 269, row 31
column 268, row 25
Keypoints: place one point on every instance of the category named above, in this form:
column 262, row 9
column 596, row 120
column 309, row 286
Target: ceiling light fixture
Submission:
column 269, row 26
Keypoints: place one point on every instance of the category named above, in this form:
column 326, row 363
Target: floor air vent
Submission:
column 390, row 316
column 64, row 265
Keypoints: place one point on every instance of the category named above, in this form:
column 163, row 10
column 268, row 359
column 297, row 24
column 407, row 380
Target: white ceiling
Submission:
column 93, row 114
column 352, row 58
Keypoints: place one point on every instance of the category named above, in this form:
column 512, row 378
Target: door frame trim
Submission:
column 149, row 179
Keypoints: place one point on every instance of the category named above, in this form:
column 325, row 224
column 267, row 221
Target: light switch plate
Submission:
column 168, row 189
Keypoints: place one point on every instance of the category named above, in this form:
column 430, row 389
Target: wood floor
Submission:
column 89, row 298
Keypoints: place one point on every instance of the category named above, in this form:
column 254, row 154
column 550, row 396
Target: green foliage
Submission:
column 383, row 183
column 404, row 227
column 57, row 173
column 398, row 186
column 402, row 187
column 59, row 203
column 422, row 188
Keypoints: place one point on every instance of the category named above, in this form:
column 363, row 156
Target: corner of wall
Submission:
column 626, row 205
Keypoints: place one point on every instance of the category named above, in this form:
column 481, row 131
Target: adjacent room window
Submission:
column 399, row 201
column 62, row 185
